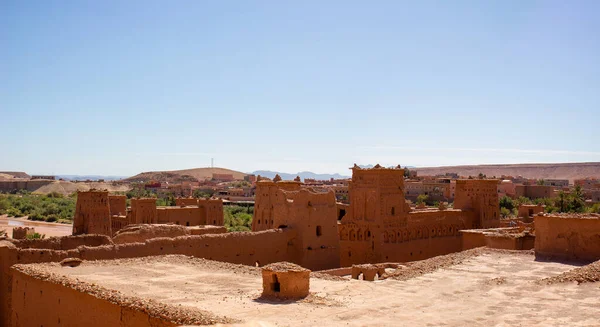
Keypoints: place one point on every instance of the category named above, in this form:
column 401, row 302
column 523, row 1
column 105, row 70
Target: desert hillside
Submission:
column 66, row 188
column 7, row 175
column 183, row 175
column 570, row 171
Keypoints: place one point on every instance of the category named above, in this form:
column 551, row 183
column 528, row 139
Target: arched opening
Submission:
column 319, row 231
column 341, row 214
column 275, row 286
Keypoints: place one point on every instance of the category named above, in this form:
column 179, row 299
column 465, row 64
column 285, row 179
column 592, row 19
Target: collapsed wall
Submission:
column 567, row 237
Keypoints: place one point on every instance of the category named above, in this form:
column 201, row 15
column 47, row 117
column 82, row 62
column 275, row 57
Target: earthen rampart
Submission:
column 567, row 237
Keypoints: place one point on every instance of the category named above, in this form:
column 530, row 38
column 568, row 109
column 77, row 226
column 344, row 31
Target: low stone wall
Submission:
column 568, row 237
column 64, row 243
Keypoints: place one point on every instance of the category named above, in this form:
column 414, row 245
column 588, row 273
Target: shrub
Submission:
column 36, row 216
column 505, row 213
column 14, row 212
column 51, row 218
column 36, row 236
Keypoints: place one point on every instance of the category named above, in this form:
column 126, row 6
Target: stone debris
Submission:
column 284, row 266
column 71, row 262
column 586, row 274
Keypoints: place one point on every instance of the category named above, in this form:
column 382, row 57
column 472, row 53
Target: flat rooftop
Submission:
column 487, row 287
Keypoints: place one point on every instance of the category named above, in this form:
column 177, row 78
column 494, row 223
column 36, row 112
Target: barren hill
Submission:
column 194, row 174
column 570, row 171
column 14, row 174
column 66, row 187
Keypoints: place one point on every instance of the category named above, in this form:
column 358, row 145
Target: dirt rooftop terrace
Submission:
column 498, row 288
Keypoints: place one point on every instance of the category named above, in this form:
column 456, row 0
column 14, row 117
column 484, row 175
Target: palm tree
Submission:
column 561, row 200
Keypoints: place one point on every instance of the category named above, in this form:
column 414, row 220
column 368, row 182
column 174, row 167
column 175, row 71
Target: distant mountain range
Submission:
column 303, row 175
column 89, row 177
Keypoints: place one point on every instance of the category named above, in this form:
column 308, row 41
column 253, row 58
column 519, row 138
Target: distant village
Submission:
column 428, row 189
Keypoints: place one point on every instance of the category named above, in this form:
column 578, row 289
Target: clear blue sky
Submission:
column 120, row 87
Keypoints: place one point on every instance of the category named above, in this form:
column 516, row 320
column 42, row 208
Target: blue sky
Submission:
column 120, row 87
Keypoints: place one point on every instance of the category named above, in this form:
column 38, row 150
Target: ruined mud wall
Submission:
column 92, row 213
column 480, row 196
column 213, row 211
column 570, row 238
column 186, row 202
column 64, row 243
column 118, row 205
column 186, row 216
column 265, row 198
column 48, row 304
column 314, row 217
column 143, row 211
column 242, row 248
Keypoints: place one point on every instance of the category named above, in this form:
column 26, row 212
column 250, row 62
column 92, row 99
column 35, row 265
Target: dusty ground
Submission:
column 50, row 229
column 491, row 289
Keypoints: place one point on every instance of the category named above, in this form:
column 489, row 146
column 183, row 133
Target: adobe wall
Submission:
column 424, row 234
column 511, row 238
column 117, row 205
column 265, row 197
column 213, row 211
column 314, row 217
column 472, row 239
column 186, row 216
column 527, row 210
column 481, row 196
column 246, row 248
column 48, row 304
column 64, row 243
column 143, row 211
column 92, row 213
column 186, row 202
column 20, row 233
column 534, row 191
column 567, row 238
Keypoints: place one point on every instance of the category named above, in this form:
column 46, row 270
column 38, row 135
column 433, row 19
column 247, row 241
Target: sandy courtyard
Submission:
column 493, row 289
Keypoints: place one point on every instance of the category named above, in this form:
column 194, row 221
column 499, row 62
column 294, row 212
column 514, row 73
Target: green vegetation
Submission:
column 240, row 184
column 238, row 218
column 422, row 198
column 35, row 236
column 52, row 207
column 573, row 201
column 203, row 193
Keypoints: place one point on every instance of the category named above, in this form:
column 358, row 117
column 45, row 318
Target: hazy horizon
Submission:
column 118, row 88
